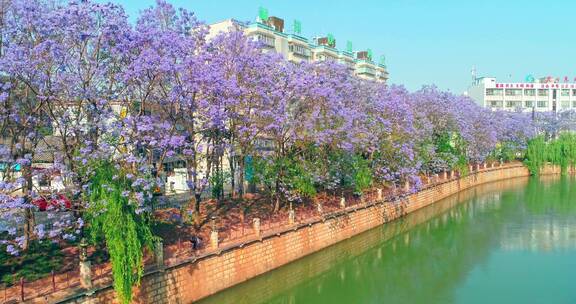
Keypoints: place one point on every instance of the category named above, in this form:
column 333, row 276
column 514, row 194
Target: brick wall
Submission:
column 193, row 280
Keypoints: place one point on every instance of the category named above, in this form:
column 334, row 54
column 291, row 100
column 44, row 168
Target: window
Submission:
column 565, row 92
column 542, row 103
column 496, row 103
column 565, row 104
column 530, row 92
column 365, row 70
column 574, row 104
column 542, row 92
column 171, row 165
column 494, row 92
column 331, row 58
column 43, row 181
column 299, row 49
column 321, row 57
column 513, row 92
column 264, row 144
column 574, row 92
column 529, row 103
column 513, row 104
column 264, row 39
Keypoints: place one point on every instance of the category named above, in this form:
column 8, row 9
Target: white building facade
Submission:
column 295, row 48
column 546, row 94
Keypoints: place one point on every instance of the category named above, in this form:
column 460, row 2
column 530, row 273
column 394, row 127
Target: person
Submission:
column 196, row 242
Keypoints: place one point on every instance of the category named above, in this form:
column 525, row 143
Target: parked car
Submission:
column 59, row 202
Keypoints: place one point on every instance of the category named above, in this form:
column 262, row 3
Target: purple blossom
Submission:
column 11, row 249
column 159, row 96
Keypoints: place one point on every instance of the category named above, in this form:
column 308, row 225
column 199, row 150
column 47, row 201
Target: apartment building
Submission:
column 296, row 48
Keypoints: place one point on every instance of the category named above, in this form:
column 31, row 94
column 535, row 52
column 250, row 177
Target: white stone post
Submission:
column 214, row 235
column 85, row 269
column 159, row 254
column 256, row 225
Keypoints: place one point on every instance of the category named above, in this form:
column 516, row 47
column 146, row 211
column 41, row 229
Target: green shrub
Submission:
column 41, row 258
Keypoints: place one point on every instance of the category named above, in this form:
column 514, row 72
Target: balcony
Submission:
column 299, row 50
column 382, row 75
column 267, row 41
column 326, row 49
column 324, row 53
column 347, row 59
column 366, row 71
column 295, row 37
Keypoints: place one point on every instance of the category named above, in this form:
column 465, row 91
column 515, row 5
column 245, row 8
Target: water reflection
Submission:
column 434, row 255
column 546, row 221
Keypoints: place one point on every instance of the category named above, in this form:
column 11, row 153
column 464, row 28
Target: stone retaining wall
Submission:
column 194, row 280
column 318, row 266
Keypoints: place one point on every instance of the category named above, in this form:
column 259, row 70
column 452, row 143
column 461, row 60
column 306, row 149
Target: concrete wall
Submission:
column 193, row 280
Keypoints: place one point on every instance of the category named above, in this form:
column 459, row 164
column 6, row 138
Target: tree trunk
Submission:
column 277, row 195
column 197, row 199
column 221, row 164
column 231, row 160
column 241, row 177
column 276, row 204
column 28, row 212
column 28, row 228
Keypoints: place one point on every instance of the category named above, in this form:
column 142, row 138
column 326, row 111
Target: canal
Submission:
column 512, row 241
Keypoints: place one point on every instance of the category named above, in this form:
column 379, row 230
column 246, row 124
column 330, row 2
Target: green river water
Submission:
column 505, row 242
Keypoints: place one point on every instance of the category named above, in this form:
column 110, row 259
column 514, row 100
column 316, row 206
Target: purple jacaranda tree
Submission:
column 395, row 159
column 246, row 83
column 278, row 125
column 114, row 103
column 444, row 125
column 460, row 130
column 481, row 140
column 550, row 124
column 21, row 126
column 327, row 119
column 19, row 123
column 513, row 130
column 168, row 82
column 67, row 60
column 41, row 54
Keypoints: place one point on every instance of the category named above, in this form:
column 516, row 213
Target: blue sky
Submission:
column 426, row 42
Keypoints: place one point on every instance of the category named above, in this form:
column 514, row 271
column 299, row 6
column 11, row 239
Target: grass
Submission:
column 41, row 258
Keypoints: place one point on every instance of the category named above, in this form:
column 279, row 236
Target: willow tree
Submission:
column 113, row 216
